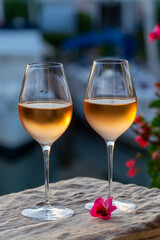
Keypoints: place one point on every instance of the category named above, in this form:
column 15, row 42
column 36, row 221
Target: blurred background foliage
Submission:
column 15, row 9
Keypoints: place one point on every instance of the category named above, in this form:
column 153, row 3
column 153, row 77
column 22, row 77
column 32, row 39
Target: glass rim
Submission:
column 45, row 64
column 110, row 61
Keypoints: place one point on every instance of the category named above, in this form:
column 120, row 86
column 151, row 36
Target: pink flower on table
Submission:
column 103, row 209
column 143, row 143
column 155, row 34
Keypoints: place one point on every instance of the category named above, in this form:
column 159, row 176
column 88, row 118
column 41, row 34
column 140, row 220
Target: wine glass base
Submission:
column 122, row 206
column 47, row 213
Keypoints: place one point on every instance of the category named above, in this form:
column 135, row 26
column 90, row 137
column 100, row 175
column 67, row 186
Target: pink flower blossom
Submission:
column 132, row 172
column 155, row 34
column 143, row 143
column 103, row 209
column 130, row 163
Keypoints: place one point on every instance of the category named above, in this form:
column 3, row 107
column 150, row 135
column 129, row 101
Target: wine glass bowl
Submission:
column 102, row 115
column 37, row 119
column 45, row 110
column 110, row 107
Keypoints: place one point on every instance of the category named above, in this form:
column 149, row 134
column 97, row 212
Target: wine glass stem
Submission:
column 110, row 148
column 46, row 153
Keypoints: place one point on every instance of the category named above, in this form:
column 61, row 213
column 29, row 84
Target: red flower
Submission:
column 155, row 34
column 157, row 85
column 132, row 172
column 139, row 119
column 130, row 163
column 143, row 143
column 102, row 209
column 145, row 129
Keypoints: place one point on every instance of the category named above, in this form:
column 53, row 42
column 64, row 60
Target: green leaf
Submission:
column 152, row 163
column 157, row 132
column 155, row 104
column 152, row 148
column 156, row 121
column 155, row 183
column 152, row 169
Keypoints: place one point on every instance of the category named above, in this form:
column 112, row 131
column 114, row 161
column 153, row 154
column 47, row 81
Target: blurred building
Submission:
column 20, row 43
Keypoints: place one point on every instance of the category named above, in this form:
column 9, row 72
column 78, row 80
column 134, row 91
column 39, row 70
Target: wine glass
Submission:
column 45, row 110
column 110, row 107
